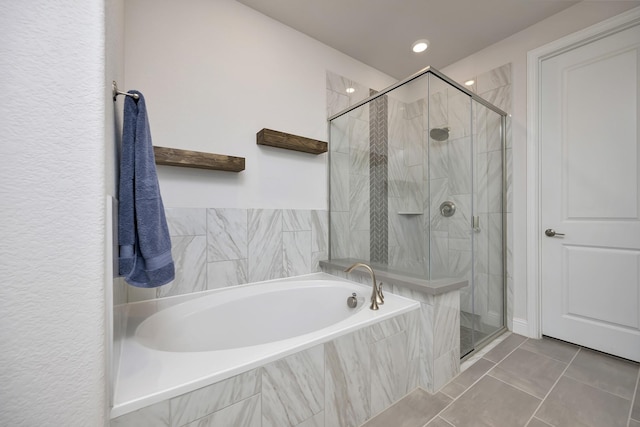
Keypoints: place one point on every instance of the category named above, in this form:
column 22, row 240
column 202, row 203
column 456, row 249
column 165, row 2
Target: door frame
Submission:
column 532, row 327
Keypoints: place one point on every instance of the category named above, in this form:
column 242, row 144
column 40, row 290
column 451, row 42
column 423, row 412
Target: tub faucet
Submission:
column 376, row 295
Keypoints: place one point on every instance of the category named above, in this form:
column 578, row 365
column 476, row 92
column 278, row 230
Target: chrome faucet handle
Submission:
column 374, row 293
column 380, row 296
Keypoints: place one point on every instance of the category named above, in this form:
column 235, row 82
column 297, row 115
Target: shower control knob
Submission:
column 550, row 232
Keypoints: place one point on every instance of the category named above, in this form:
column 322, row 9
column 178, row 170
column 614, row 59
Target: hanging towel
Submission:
column 145, row 246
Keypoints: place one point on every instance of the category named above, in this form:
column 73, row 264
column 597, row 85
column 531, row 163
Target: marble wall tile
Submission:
column 337, row 83
column 389, row 371
column 387, row 328
column 340, row 234
column 315, row 421
column 360, row 244
column 319, row 231
column 199, row 403
column 439, row 189
column 500, row 97
column 265, row 248
column 413, row 199
column 189, row 257
column 362, row 112
column 438, row 110
column 221, row 274
column 358, row 135
column 245, row 413
column 226, row 234
column 339, row 135
column 460, row 222
column 157, row 415
column 446, row 328
column 297, row 252
column 495, row 78
column 459, row 117
column 397, row 172
column 348, row 380
column 359, row 204
column 446, row 367
column 293, row 388
column 459, row 169
column 439, row 251
column 438, row 159
column 413, row 133
column 296, row 220
column 336, row 102
column 359, row 161
column 339, row 172
column 415, row 109
column 186, row 221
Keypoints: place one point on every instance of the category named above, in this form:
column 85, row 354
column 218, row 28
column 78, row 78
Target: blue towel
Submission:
column 145, row 246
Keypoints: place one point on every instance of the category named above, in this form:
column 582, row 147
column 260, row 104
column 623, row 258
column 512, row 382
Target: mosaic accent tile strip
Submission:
column 378, row 179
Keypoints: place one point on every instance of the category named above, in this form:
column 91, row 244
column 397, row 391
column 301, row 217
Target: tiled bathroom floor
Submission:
column 525, row 382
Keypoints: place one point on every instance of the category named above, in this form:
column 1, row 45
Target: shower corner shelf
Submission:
column 274, row 138
column 410, row 213
column 197, row 159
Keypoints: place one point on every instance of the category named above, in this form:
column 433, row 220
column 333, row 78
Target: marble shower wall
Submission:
column 341, row 383
column 218, row 247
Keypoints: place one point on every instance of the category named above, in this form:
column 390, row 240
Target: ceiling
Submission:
column 380, row 32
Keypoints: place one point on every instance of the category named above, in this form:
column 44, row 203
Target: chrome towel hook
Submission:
column 116, row 92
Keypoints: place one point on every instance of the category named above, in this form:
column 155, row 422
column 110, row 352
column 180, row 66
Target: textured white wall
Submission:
column 52, row 361
column 216, row 72
column 514, row 50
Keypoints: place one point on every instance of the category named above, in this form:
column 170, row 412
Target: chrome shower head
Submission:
column 439, row 134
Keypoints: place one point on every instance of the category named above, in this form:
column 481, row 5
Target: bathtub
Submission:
column 175, row 345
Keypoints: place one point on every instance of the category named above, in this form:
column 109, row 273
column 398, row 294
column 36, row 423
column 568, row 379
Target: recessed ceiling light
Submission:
column 420, row 45
column 350, row 90
column 469, row 82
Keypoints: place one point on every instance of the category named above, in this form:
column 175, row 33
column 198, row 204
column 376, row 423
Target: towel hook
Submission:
column 116, row 92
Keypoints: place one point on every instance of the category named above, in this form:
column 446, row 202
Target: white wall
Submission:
column 216, row 72
column 514, row 50
column 52, row 362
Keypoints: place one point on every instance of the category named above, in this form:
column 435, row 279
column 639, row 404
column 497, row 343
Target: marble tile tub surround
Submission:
column 438, row 334
column 219, row 247
column 341, row 383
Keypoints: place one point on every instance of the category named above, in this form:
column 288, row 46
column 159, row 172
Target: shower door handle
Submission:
column 550, row 232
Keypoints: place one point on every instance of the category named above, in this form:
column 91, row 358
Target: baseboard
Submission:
column 520, row 327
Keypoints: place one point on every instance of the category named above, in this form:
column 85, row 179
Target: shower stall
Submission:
column 417, row 187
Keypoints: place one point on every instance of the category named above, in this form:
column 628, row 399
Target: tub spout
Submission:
column 376, row 298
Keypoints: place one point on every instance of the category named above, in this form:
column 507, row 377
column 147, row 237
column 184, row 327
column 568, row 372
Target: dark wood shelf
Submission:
column 197, row 159
column 273, row 138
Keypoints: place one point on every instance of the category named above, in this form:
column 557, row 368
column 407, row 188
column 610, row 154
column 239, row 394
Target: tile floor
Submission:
column 526, row 382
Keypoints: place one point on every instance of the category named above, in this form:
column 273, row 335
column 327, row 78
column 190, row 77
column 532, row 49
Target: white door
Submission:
column 590, row 192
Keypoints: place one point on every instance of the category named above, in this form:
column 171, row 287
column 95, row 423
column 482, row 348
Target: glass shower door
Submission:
column 487, row 224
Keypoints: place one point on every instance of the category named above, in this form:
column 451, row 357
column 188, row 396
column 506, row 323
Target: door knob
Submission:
column 552, row 233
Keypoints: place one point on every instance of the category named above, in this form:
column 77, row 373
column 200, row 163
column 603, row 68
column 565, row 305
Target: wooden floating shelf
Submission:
column 273, row 138
column 197, row 159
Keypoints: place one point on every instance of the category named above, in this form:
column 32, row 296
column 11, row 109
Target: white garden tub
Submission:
column 179, row 344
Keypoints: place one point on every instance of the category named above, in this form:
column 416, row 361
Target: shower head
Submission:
column 439, row 134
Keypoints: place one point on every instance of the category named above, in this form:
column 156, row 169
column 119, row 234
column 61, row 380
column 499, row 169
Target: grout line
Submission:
column 514, row 386
column 553, row 386
column 474, row 383
column 633, row 398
